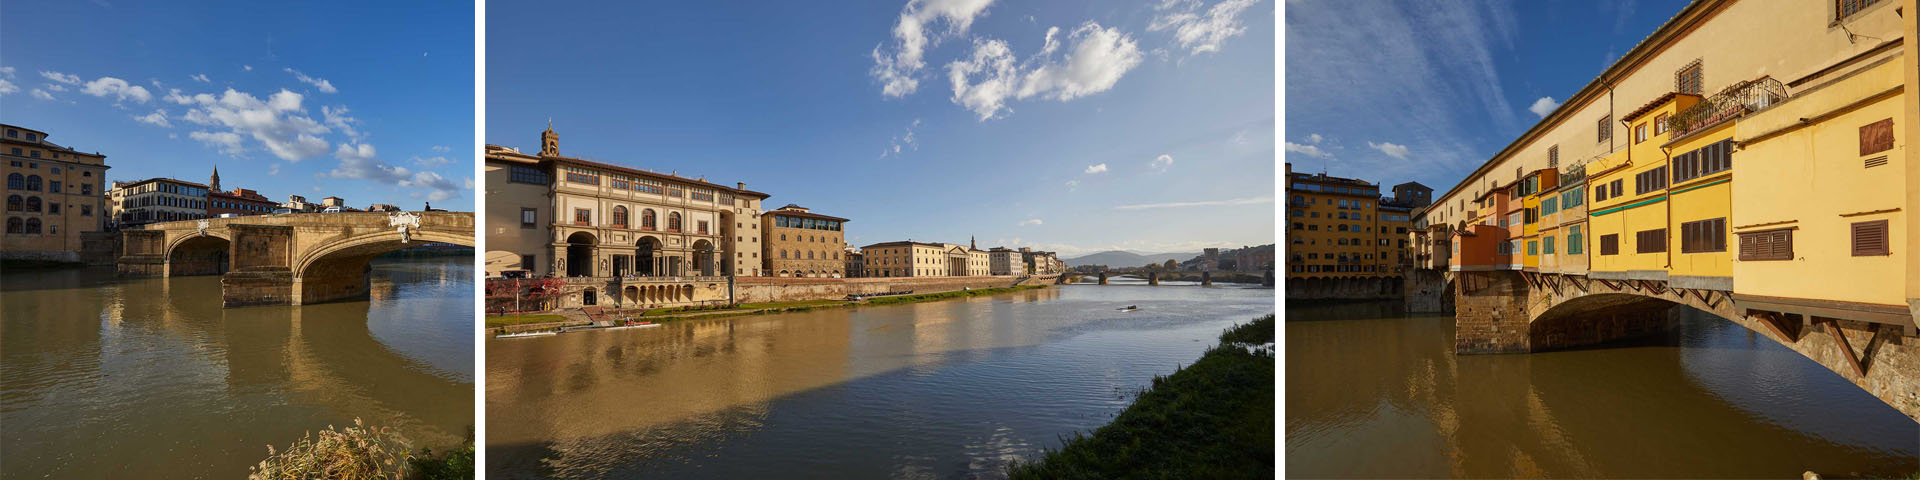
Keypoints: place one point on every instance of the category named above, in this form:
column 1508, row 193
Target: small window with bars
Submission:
column 1766, row 245
column 1847, row 8
column 1606, row 128
column 1689, row 79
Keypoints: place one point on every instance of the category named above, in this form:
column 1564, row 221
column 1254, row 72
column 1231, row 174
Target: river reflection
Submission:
column 929, row 390
column 1373, row 393
column 118, row 378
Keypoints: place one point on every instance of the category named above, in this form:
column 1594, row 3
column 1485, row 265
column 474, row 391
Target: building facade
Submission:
column 922, row 259
column 1005, row 261
column 856, row 263
column 240, row 201
column 1041, row 263
column 1334, row 229
column 800, row 243
column 54, row 194
column 157, row 200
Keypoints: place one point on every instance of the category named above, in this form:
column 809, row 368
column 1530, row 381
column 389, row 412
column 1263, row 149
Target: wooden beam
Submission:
column 1774, row 323
column 1840, row 338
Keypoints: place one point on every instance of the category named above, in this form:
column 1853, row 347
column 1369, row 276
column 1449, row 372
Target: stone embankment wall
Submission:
column 1376, row 288
column 777, row 289
column 1426, row 292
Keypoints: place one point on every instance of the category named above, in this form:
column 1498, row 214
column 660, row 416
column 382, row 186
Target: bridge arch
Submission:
column 199, row 254
column 338, row 270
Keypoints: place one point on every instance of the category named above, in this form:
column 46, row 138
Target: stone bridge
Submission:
column 1523, row 312
column 293, row 259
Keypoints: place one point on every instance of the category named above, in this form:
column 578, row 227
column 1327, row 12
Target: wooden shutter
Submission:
column 1650, row 241
column 1610, row 244
column 1870, row 239
column 1876, row 137
column 1766, row 245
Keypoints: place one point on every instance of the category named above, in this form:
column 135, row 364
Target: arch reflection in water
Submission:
column 119, row 378
column 1706, row 399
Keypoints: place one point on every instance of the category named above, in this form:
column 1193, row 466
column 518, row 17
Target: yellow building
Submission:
column 800, row 243
column 1806, row 103
column 54, row 194
column 922, row 259
column 1339, row 228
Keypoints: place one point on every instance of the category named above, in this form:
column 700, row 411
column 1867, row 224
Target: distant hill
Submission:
column 1122, row 258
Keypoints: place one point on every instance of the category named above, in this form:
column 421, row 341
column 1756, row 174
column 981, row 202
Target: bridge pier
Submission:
column 1153, row 278
column 144, row 254
column 1490, row 314
column 260, row 272
column 1103, row 278
column 1206, row 279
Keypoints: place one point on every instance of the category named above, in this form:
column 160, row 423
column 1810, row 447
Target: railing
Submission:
column 1734, row 101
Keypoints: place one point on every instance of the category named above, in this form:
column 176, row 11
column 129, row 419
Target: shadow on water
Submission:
column 1703, row 399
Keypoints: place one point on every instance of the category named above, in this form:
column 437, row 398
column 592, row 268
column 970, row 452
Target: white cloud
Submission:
column 1314, row 138
column 361, row 161
column 55, row 87
column 1030, row 222
column 276, row 122
column 336, row 117
column 41, row 94
column 1392, row 150
column 1101, row 168
column 1543, row 106
column 441, row 188
column 7, row 71
column 1094, row 63
column 7, row 87
column 68, row 79
column 1207, row 203
column 247, row 67
column 430, row 162
column 1308, row 150
column 273, row 169
column 320, row 83
column 903, row 142
column 228, row 142
column 1201, row 33
column 1073, row 185
column 437, row 148
column 201, row 77
column 1161, row 163
column 117, row 88
column 896, row 66
column 158, row 117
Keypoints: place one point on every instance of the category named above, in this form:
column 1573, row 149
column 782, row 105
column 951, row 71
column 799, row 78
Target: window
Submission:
column 1533, row 247
column 1766, row 245
column 33, row 183
column 581, row 175
column 16, row 181
column 1549, row 206
column 528, row 217
column 1876, row 137
column 524, row 174
column 1650, row 241
column 1650, row 181
column 1708, row 160
column 1610, row 244
column 646, row 219
column 33, row 226
column 1614, row 189
column 702, row 227
column 1704, row 236
column 582, row 216
column 15, row 225
column 1606, row 128
column 1842, row 9
column 1660, row 124
column 53, row 207
column 526, row 262
column 1870, row 239
column 647, row 186
column 619, row 217
column 1640, row 133
column 86, row 210
column 1546, row 245
column 33, row 204
column 53, row 187
column 673, row 221
column 1553, row 156
column 15, row 203
column 1688, row 79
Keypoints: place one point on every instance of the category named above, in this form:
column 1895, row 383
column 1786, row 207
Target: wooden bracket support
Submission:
column 1840, row 338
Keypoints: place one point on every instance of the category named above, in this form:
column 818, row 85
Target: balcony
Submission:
column 1733, row 102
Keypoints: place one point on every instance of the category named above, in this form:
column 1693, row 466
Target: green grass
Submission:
column 923, row 297
column 456, row 464
column 1213, row 419
column 507, row 320
column 783, row 306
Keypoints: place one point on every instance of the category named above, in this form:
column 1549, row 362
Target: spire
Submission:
column 214, row 183
column 971, row 244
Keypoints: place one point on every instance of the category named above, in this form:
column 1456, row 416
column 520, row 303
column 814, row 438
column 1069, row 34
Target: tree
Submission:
column 1171, row 265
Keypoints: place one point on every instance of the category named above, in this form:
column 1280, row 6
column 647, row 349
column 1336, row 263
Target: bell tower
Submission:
column 214, row 183
column 549, row 141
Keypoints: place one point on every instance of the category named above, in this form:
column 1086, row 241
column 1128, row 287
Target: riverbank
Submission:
column 521, row 323
column 1213, row 419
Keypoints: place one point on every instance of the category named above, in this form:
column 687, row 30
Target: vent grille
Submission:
column 1876, row 161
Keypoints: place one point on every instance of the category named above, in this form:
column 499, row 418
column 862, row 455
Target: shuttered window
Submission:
column 1870, row 239
column 1574, row 239
column 1876, row 137
column 1546, row 245
column 1600, row 193
column 1766, row 245
column 1708, row 160
column 1704, row 236
column 1616, row 187
column 1650, row 241
column 1688, row 79
column 1610, row 244
column 1650, row 181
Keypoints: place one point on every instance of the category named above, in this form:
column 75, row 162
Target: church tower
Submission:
column 549, row 142
column 214, row 183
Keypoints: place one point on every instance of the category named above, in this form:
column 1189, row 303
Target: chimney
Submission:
column 740, row 185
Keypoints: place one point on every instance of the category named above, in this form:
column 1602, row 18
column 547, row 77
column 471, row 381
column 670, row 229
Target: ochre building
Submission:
column 54, row 194
column 800, row 243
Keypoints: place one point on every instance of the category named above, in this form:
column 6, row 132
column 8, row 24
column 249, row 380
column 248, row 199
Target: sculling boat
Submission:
column 526, row 334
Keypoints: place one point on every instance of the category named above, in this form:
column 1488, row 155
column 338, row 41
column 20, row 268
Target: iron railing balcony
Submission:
column 1733, row 102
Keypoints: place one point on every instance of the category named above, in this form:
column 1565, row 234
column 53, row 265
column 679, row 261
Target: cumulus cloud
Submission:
column 119, row 89
column 1093, row 63
column 896, row 66
column 200, row 77
column 1206, row 203
column 1200, row 32
column 227, row 142
column 320, row 83
column 6, row 71
column 1392, row 150
column 1308, row 150
column 362, row 162
column 336, row 117
column 1161, row 163
column 158, row 117
column 1030, row 222
column 1314, row 138
column 1543, row 106
column 430, row 162
column 7, row 87
column 277, row 123
column 40, row 94
column 437, row 148
column 438, row 188
column 1101, row 168
column 65, row 78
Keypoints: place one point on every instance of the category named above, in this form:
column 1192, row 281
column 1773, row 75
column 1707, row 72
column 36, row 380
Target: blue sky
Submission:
column 1397, row 91
column 364, row 100
column 1053, row 141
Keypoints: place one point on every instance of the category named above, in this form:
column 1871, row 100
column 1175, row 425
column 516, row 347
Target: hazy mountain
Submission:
column 1122, row 258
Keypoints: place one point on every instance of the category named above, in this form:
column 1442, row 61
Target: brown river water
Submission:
column 102, row 377
column 1374, row 393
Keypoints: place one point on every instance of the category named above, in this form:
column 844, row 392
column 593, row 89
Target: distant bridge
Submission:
column 285, row 259
column 1153, row 276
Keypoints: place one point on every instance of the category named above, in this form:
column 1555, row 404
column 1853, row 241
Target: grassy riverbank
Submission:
column 362, row 451
column 509, row 320
column 1213, row 419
